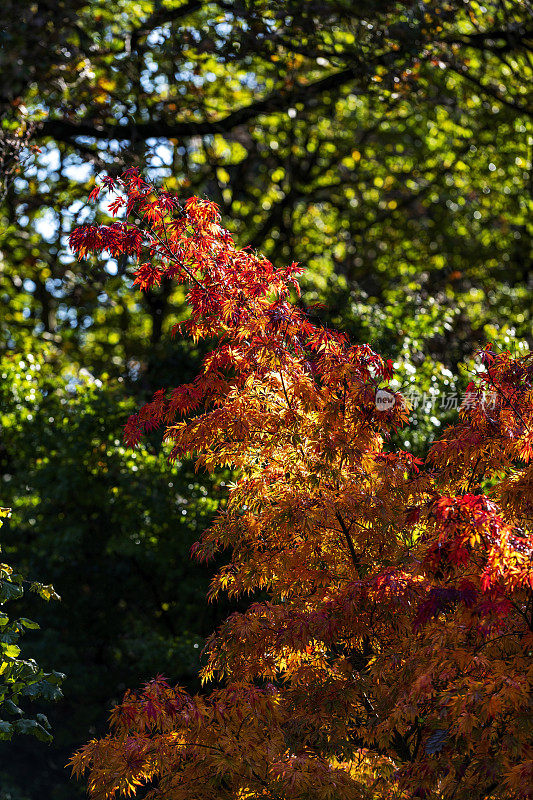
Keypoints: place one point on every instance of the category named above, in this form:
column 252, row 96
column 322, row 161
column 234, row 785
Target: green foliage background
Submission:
column 22, row 681
column 384, row 145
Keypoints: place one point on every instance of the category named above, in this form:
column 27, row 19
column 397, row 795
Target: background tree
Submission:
column 118, row 549
column 383, row 145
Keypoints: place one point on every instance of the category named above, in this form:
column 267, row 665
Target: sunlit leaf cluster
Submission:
column 386, row 650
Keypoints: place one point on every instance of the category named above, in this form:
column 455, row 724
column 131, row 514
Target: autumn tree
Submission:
column 387, row 648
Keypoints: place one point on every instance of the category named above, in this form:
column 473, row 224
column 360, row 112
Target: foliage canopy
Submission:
column 388, row 653
column 384, row 145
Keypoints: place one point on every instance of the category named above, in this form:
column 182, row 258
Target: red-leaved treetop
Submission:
column 389, row 654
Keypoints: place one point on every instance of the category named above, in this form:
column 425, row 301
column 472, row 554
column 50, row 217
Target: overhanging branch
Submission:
column 66, row 131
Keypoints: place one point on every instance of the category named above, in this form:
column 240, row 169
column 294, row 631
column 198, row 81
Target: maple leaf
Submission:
column 95, row 193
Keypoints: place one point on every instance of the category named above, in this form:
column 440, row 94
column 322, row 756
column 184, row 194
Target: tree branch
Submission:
column 65, row 131
column 162, row 16
column 346, row 530
column 512, row 40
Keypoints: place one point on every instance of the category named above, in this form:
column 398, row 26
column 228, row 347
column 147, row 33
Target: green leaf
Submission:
column 6, row 730
column 28, row 623
column 9, row 591
column 11, row 708
column 43, row 720
column 47, row 592
column 31, row 726
column 55, row 677
column 10, row 650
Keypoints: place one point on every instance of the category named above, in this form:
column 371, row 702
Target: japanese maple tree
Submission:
column 387, row 648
